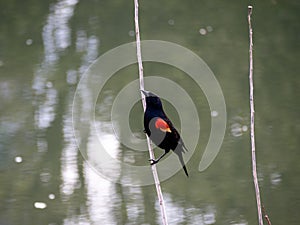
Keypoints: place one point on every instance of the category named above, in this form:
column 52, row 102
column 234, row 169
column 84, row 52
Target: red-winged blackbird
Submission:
column 160, row 129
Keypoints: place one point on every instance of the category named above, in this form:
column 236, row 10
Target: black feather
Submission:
column 165, row 140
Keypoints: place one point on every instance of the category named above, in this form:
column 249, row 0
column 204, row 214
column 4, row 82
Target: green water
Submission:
column 45, row 48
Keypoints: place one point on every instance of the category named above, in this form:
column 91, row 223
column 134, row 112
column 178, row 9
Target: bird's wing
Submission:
column 165, row 125
column 176, row 135
column 173, row 129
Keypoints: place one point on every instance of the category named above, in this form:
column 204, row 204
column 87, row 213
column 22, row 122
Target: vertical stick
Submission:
column 141, row 77
column 260, row 220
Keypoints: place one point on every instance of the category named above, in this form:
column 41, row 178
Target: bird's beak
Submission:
column 146, row 93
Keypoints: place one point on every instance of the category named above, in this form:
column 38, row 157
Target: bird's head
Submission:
column 152, row 100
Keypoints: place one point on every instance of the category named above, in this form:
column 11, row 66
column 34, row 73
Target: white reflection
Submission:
column 202, row 31
column 135, row 204
column 81, row 41
column 56, row 37
column 101, row 196
column 209, row 216
column 51, row 196
column 71, row 77
column 40, row 205
column 175, row 212
column 91, row 55
column 6, row 90
column 18, row 159
column 29, row 41
column 45, row 176
column 180, row 214
column 108, row 139
column 104, row 109
column 69, row 164
column 46, row 110
column 103, row 149
column 69, row 173
column 63, row 11
column 238, row 127
column 275, row 179
column 76, row 220
column 69, row 170
column 56, row 32
column 42, row 145
column 214, row 113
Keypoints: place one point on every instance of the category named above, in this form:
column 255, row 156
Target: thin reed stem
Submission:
column 254, row 172
column 141, row 78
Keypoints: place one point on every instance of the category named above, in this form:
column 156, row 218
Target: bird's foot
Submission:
column 153, row 161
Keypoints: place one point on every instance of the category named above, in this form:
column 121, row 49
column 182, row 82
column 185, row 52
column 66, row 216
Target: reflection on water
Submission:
column 100, row 196
column 40, row 205
column 45, row 113
column 103, row 150
column 45, row 176
column 56, row 32
column 178, row 214
column 56, row 38
column 18, row 159
column 238, row 126
column 275, row 179
column 69, row 163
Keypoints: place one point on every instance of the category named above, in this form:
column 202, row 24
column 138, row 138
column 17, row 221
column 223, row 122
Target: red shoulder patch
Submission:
column 162, row 125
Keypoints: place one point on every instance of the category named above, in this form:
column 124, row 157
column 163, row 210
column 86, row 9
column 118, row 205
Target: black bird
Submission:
column 160, row 129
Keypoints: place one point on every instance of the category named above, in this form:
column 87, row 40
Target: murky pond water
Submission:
column 47, row 46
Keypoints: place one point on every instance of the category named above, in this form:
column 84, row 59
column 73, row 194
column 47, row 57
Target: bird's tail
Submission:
column 179, row 153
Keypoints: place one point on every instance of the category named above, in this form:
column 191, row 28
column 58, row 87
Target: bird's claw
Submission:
column 152, row 161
